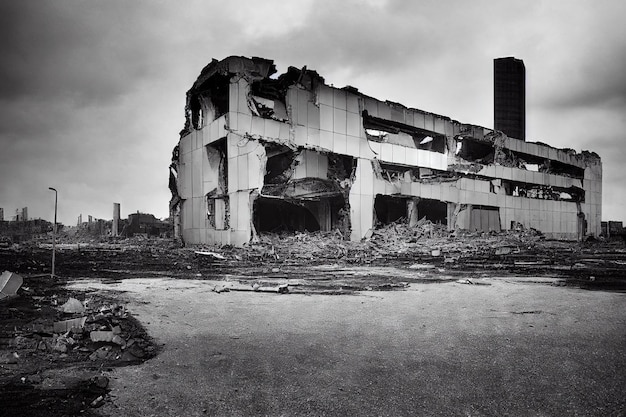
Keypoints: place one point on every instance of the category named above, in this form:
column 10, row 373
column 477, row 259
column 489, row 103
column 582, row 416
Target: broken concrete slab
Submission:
column 69, row 325
column 10, row 282
column 211, row 254
column 106, row 336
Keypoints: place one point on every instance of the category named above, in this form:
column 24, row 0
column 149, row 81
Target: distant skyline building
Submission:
column 509, row 93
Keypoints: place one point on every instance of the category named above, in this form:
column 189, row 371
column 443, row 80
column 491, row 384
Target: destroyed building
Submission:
column 266, row 153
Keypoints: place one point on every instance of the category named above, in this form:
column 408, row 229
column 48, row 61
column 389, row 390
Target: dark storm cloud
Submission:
column 88, row 52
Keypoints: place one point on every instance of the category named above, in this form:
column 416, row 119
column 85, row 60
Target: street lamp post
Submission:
column 54, row 230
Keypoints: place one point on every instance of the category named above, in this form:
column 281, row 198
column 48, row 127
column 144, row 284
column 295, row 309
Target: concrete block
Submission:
column 340, row 121
column 492, row 200
column 354, row 125
column 326, row 118
column 426, row 190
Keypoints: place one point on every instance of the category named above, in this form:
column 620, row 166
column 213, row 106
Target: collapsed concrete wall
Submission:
column 261, row 153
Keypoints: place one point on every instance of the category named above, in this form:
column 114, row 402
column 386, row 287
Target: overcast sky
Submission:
column 92, row 93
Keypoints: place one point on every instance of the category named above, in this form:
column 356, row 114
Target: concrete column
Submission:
column 411, row 211
column 116, row 219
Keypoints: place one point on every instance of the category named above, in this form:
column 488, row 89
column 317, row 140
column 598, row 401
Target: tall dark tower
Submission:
column 509, row 97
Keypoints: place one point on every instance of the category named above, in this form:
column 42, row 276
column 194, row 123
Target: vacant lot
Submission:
column 509, row 348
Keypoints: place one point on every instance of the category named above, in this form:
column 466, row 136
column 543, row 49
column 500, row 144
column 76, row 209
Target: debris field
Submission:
column 56, row 345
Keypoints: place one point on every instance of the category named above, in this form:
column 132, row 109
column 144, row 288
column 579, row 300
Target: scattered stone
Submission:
column 73, row 306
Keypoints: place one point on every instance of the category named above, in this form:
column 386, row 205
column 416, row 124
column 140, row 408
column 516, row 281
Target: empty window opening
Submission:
column 218, row 212
column 475, row 151
column 278, row 168
column 340, row 167
column 276, row 215
column 218, row 160
column 382, row 130
column 434, row 210
column 390, row 209
column 209, row 101
column 543, row 192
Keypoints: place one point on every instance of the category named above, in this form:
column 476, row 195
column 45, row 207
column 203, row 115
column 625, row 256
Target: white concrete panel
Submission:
column 353, row 145
column 196, row 172
column 339, row 99
column 244, row 123
column 386, row 152
column 233, row 97
column 398, row 154
column 354, row 125
column 301, row 135
column 339, row 143
column 326, row 139
column 258, row 126
column 325, row 95
column 233, row 180
column 352, row 103
column 313, row 116
column 326, row 118
column 340, row 121
column 272, row 128
column 255, row 173
column 313, row 137
column 364, row 149
column 375, row 147
column 384, row 111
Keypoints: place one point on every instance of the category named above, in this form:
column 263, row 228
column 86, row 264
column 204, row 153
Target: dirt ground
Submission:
column 313, row 325
column 508, row 348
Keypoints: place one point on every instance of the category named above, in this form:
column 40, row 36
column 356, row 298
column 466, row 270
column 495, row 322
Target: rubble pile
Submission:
column 45, row 327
